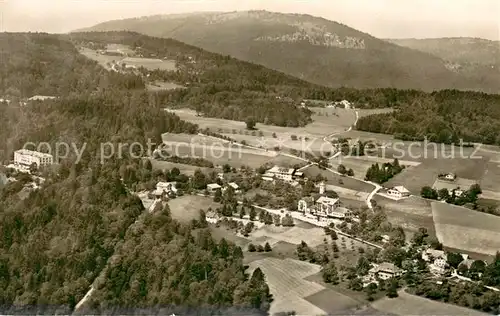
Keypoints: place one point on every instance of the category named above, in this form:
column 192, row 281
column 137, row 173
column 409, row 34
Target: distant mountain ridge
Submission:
column 311, row 48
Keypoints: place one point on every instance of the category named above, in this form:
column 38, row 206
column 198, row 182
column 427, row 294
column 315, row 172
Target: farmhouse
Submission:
column 437, row 259
column 212, row 217
column 4, row 100
column 280, row 173
column 385, row 271
column 398, row 192
column 234, row 186
column 165, row 187
column 212, row 187
column 28, row 157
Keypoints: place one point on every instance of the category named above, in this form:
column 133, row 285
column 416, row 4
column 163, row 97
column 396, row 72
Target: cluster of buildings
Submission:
column 213, row 187
column 289, row 175
column 323, row 208
column 450, row 182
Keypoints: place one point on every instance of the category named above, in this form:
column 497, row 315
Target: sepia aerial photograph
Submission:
column 250, row 158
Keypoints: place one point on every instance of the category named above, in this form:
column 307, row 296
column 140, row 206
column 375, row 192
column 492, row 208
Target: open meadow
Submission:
column 150, row 63
column 338, row 180
column 325, row 122
column 426, row 173
column 489, row 182
column 187, row 207
column 411, row 213
column 461, row 228
column 408, row 304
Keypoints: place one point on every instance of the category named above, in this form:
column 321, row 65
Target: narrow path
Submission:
column 343, row 132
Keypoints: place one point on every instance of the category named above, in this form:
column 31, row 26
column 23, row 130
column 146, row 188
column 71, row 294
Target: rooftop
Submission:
column 401, row 189
column 33, row 153
column 386, row 267
column 326, row 200
column 41, row 97
column 278, row 169
column 213, row 186
column 233, row 185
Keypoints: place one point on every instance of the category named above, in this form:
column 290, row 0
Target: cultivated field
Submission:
column 332, row 302
column 407, row 304
column 187, row 207
column 461, row 228
column 410, row 213
column 425, row 174
column 103, row 60
column 292, row 235
column 338, row 180
column 287, row 285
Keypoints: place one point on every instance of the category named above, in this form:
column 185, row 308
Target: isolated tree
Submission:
column 342, row 169
column 252, row 213
column 428, row 193
column 350, row 173
column 443, row 194
column 250, row 122
column 242, row 212
column 267, row 247
column 392, row 290
column 252, row 248
column 260, row 248
column 454, row 259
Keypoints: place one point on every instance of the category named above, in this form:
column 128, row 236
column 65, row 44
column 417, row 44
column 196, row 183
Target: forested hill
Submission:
column 218, row 86
column 308, row 47
column 445, row 116
column 55, row 240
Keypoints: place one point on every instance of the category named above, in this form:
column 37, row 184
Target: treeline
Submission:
column 446, row 116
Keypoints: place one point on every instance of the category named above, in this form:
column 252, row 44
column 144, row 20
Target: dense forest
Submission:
column 445, row 116
column 55, row 240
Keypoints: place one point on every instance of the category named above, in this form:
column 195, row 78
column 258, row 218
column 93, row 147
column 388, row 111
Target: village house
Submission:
column 212, row 187
column 447, row 176
column 398, row 192
column 165, row 188
column 27, row 158
column 234, row 186
column 437, row 259
column 212, row 217
column 280, row 173
column 384, row 271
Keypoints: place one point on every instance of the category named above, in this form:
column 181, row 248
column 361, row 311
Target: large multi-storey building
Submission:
column 29, row 157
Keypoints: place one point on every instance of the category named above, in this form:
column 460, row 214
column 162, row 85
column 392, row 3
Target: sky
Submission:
column 381, row 18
